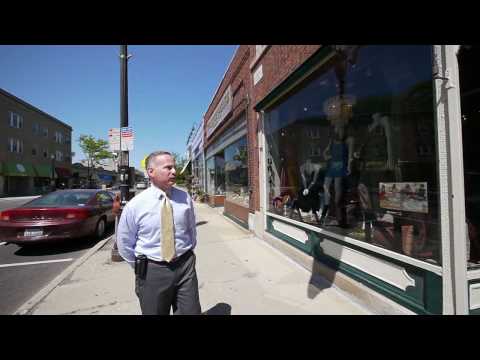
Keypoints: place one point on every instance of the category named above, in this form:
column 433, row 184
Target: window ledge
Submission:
column 258, row 57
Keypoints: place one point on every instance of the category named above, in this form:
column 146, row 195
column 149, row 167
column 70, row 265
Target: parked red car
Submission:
column 59, row 215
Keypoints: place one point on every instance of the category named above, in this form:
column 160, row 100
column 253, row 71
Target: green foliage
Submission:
column 179, row 164
column 95, row 150
column 200, row 195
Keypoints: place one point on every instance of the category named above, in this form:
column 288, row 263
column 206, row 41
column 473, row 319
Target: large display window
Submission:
column 216, row 174
column 468, row 59
column 198, row 173
column 353, row 150
column 210, row 176
column 236, row 172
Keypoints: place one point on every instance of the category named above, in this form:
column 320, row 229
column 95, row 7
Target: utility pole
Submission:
column 123, row 166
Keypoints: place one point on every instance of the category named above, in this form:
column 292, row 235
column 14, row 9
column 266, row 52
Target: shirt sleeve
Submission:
column 193, row 222
column 127, row 235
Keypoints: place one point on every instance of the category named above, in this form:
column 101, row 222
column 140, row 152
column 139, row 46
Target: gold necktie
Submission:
column 168, row 240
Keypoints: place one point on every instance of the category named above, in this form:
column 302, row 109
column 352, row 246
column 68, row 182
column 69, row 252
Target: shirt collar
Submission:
column 159, row 193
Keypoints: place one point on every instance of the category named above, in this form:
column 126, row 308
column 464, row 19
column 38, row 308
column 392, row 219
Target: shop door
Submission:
column 18, row 186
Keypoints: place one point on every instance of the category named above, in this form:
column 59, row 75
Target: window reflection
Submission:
column 236, row 172
column 468, row 60
column 216, row 174
column 354, row 151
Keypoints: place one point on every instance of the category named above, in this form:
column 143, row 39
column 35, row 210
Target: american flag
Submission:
column 127, row 132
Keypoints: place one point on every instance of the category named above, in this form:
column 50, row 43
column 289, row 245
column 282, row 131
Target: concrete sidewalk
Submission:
column 237, row 272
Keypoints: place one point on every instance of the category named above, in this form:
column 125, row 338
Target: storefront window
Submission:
column 353, row 150
column 468, row 60
column 236, row 172
column 211, row 176
column 198, row 173
column 216, row 174
column 220, row 173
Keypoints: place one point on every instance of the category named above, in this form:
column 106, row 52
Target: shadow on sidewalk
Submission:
column 201, row 223
column 219, row 309
column 322, row 275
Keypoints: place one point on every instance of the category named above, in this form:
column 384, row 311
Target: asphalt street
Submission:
column 25, row 271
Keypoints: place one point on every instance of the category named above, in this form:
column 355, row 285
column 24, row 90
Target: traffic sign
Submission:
column 127, row 139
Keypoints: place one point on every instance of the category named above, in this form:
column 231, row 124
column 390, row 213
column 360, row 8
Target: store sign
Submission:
column 198, row 137
column 221, row 111
column 236, row 132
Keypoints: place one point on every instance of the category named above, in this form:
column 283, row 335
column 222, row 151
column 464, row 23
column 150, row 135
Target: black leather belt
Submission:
column 184, row 256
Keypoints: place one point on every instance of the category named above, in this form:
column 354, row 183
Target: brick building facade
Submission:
column 349, row 169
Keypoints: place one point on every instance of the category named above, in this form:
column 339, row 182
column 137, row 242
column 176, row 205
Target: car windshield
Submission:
column 62, row 199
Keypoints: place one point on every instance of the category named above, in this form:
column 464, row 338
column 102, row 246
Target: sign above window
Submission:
column 221, row 111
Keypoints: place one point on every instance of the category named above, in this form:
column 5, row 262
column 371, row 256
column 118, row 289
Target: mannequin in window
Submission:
column 339, row 155
column 309, row 197
column 372, row 152
column 384, row 122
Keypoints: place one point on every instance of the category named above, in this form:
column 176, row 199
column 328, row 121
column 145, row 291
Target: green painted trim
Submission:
column 309, row 66
column 237, row 220
column 376, row 284
column 433, row 285
column 474, row 311
column 295, row 243
column 413, row 298
column 425, row 298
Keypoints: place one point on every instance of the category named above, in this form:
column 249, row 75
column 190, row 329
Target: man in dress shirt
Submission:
column 168, row 283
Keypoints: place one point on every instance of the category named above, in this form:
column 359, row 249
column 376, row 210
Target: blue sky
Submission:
column 169, row 88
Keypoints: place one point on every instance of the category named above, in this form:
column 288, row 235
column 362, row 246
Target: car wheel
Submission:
column 100, row 228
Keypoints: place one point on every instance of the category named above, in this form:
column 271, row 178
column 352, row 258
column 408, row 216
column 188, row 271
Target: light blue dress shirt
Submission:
column 139, row 230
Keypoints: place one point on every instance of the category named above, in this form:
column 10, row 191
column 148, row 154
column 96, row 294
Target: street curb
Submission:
column 27, row 307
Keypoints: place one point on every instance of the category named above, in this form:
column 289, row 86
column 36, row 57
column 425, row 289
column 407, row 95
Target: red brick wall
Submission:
column 278, row 62
column 237, row 76
column 236, row 210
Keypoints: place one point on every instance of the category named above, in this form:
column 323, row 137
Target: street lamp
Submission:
column 52, row 183
column 123, row 168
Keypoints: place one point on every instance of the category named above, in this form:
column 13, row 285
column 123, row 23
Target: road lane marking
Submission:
column 35, row 262
column 3, row 243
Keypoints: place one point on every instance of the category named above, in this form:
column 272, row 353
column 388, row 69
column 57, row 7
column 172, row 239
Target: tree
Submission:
column 179, row 164
column 95, row 150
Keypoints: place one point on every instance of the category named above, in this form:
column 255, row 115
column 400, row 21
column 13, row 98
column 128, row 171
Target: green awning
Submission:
column 43, row 170
column 18, row 169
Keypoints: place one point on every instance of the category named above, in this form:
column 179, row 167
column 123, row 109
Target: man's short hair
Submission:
column 153, row 155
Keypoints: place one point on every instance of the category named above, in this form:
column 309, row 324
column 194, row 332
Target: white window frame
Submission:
column 36, row 128
column 15, row 145
column 45, row 132
column 259, row 49
column 451, row 181
column 16, row 120
column 58, row 155
column 59, row 137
